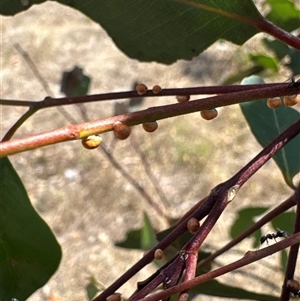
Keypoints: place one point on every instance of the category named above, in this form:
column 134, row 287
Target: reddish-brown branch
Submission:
column 18, row 123
column 152, row 114
column 290, row 202
column 208, row 90
column 249, row 257
column 220, row 195
column 293, row 254
column 277, row 32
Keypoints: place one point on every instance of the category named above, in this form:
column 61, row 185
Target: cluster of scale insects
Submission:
column 288, row 100
column 122, row 130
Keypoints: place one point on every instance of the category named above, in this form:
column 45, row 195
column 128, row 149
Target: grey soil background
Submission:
column 82, row 197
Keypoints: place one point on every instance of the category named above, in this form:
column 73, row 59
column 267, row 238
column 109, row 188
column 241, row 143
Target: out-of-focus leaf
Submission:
column 294, row 61
column 245, row 219
column 282, row 50
column 283, row 260
column 279, row 48
column 260, row 63
column 267, row 62
column 242, row 74
column 144, row 238
column 164, row 31
column 285, row 221
column 148, row 238
column 92, row 288
column 266, row 124
column 132, row 241
column 284, row 14
column 217, row 289
column 8, row 7
column 29, row 252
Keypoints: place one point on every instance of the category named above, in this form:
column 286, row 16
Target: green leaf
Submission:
column 284, row 14
column 279, row 48
column 266, row 124
column 29, row 252
column 242, row 74
column 148, row 237
column 92, row 288
column 8, row 7
column 132, row 241
column 294, row 61
column 267, row 62
column 245, row 219
column 260, row 63
column 168, row 30
column 285, row 221
column 217, row 289
column 283, row 260
column 143, row 238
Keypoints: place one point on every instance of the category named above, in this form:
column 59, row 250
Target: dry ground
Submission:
column 86, row 202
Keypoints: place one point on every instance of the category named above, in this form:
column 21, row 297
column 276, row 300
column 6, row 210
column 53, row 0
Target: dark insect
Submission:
column 294, row 84
column 279, row 233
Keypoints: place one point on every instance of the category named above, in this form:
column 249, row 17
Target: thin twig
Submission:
column 69, row 117
column 228, row 188
column 52, row 102
column 83, row 130
column 293, row 254
column 290, row 202
column 249, row 257
column 279, row 33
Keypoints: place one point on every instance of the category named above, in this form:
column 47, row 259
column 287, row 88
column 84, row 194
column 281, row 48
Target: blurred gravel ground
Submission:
column 86, row 202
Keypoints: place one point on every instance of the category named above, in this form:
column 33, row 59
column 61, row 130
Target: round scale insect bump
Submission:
column 150, row 126
column 183, row 98
column 156, row 89
column 114, row 297
column 193, row 225
column 121, row 130
column 91, row 142
column 209, row 114
column 141, row 89
column 291, row 100
column 294, row 287
column 274, row 102
column 158, row 254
